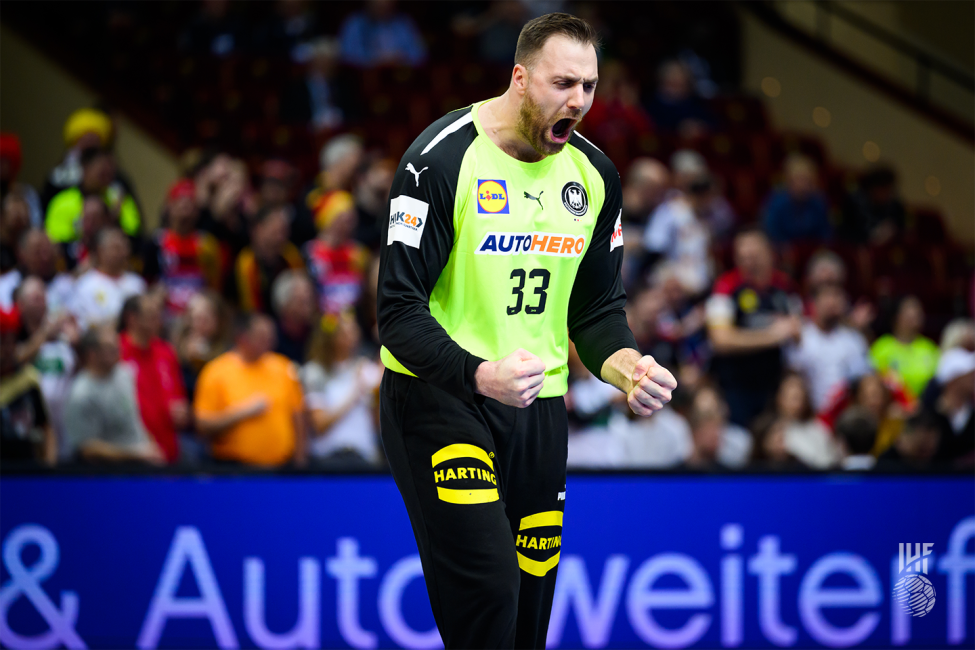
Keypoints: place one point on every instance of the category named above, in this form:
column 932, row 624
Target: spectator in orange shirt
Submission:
column 248, row 401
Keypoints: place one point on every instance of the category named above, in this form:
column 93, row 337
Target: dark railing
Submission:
column 926, row 61
column 819, row 40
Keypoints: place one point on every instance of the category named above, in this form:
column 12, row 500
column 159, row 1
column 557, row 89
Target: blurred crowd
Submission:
column 775, row 368
column 242, row 330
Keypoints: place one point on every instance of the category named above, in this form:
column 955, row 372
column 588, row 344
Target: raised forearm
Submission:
column 324, row 419
column 26, row 351
column 734, row 340
column 102, row 451
column 214, row 424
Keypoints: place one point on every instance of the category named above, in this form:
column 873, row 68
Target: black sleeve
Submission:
column 597, row 321
column 417, row 239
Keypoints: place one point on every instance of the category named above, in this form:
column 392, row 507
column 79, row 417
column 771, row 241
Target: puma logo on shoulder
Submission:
column 410, row 168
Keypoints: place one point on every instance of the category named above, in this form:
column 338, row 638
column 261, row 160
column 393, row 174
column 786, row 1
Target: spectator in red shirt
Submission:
column 14, row 222
column 159, row 382
column 751, row 314
column 616, row 117
column 184, row 259
column 11, row 158
column 337, row 262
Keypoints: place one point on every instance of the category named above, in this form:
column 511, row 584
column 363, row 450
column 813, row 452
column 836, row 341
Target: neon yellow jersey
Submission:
column 528, row 249
column 63, row 219
column 914, row 363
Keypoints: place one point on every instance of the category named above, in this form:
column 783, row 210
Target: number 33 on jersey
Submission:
column 507, row 254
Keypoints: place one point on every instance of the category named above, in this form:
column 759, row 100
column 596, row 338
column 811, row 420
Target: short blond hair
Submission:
column 537, row 31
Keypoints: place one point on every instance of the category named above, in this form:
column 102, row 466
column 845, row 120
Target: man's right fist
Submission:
column 515, row 380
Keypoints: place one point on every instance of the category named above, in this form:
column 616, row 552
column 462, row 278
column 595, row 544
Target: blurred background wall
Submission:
column 936, row 167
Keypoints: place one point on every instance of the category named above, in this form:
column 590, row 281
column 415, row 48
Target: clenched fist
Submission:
column 653, row 389
column 515, row 380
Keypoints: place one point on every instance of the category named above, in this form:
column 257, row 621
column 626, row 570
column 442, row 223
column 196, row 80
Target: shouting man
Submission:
column 481, row 285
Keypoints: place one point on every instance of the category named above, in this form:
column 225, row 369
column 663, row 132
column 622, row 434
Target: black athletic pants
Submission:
column 485, row 489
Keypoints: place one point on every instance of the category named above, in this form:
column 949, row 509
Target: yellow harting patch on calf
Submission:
column 538, row 568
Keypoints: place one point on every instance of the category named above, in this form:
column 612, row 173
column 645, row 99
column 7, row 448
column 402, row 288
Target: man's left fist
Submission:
column 653, row 389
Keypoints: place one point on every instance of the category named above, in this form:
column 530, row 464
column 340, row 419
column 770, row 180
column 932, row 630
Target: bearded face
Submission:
column 546, row 133
column 558, row 92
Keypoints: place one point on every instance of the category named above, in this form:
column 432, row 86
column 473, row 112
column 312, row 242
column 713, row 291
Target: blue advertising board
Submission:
column 302, row 561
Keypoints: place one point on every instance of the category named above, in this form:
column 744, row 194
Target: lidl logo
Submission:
column 492, row 197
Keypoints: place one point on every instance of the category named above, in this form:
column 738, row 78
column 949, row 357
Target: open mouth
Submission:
column 562, row 129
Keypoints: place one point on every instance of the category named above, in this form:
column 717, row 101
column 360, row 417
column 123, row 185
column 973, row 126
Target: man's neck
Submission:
column 699, row 458
column 759, row 280
column 138, row 339
column 331, row 239
column 265, row 256
column 45, row 276
column 112, row 273
column 99, row 373
column 293, row 327
column 246, row 356
column 905, row 336
column 499, row 119
column 826, row 326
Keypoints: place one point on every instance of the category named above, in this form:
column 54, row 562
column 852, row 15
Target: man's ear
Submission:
column 519, row 78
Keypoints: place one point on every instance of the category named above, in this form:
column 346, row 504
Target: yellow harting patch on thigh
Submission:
column 463, row 492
